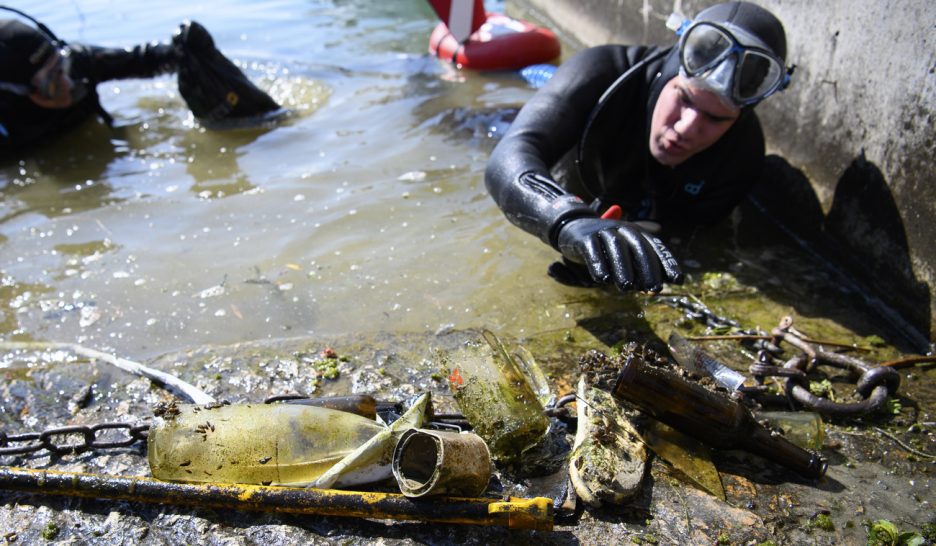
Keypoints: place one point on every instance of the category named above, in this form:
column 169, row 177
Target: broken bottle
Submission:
column 499, row 395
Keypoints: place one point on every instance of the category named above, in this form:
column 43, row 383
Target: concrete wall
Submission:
column 853, row 170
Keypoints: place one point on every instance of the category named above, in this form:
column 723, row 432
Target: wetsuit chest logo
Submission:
column 694, row 188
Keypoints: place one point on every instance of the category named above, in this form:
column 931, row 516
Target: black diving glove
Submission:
column 619, row 252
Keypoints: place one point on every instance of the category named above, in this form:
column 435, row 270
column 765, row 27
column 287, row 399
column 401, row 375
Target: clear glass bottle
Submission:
column 496, row 395
column 278, row 444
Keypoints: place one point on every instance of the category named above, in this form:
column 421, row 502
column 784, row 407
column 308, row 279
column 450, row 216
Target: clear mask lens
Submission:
column 50, row 76
column 703, row 47
column 758, row 75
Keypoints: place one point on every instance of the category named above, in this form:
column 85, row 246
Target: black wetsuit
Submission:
column 588, row 128
column 23, row 123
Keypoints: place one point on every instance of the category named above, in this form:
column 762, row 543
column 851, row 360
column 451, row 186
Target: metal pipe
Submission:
column 515, row 513
column 437, row 462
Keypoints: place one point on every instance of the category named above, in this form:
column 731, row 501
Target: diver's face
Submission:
column 51, row 84
column 686, row 120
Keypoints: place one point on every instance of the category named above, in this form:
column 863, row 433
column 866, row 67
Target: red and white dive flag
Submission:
column 462, row 17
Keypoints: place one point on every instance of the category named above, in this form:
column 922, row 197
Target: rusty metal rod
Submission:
column 908, row 361
column 535, row 513
column 753, row 337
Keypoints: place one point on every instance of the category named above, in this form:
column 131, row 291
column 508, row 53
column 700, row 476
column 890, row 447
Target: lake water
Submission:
column 364, row 212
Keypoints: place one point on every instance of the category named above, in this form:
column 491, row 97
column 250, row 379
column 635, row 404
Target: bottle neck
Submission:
column 775, row 447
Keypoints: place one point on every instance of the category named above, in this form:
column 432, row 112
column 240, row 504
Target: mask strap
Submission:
column 787, row 77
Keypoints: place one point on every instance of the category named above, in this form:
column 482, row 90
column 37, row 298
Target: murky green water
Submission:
column 364, row 212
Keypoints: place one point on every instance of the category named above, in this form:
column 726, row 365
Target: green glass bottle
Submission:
column 278, row 444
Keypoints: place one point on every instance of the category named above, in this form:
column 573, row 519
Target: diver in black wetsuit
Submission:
column 47, row 86
column 661, row 136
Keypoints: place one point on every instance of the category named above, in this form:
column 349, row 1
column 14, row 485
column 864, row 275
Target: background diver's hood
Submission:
column 23, row 50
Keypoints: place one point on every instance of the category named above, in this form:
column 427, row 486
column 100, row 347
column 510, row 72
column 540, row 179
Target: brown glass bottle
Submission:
column 715, row 420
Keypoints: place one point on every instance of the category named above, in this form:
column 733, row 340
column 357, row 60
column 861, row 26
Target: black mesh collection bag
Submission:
column 212, row 86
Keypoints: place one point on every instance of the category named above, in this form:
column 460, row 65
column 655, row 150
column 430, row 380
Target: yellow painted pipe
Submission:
column 514, row 513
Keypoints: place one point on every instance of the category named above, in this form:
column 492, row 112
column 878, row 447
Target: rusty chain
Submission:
column 72, row 439
column 874, row 384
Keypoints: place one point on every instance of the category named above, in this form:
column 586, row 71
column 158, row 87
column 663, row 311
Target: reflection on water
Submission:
column 364, row 210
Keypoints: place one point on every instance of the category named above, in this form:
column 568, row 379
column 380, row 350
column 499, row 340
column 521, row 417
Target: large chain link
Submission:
column 72, row 439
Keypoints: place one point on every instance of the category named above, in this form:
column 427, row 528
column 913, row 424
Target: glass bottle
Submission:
column 279, row 444
column 495, row 393
column 803, row 428
column 713, row 419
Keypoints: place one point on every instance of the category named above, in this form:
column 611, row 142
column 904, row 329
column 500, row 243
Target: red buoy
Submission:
column 501, row 43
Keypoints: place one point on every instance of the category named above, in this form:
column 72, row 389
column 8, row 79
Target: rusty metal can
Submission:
column 435, row 462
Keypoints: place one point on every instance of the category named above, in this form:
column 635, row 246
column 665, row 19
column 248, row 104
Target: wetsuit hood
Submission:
column 668, row 70
column 643, row 81
column 23, row 50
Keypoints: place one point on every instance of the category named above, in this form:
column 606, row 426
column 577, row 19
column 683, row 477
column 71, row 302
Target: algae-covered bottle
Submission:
column 279, row 444
column 495, row 393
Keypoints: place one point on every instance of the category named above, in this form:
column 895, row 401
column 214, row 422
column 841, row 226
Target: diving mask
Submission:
column 730, row 62
column 47, row 79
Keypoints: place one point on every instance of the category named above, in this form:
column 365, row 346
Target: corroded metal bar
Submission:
column 535, row 513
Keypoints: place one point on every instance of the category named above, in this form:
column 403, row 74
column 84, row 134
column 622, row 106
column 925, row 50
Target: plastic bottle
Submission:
column 715, row 420
column 496, row 395
column 279, row 444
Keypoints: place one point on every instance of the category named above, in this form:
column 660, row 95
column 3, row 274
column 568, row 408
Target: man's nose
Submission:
column 688, row 122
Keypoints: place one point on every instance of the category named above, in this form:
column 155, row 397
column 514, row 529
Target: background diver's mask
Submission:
column 38, row 47
column 49, row 77
column 730, row 62
column 47, row 80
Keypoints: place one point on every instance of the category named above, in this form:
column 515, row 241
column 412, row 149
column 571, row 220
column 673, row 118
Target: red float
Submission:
column 501, row 43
